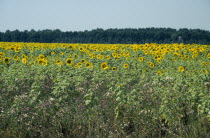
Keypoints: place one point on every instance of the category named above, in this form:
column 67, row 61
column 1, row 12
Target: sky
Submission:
column 80, row 15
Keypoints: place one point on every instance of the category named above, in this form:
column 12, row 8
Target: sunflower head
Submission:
column 83, row 60
column 40, row 56
column 61, row 53
column 24, row 60
column 58, row 62
column 205, row 71
column 6, row 60
column 88, row 65
column 140, row 59
column 159, row 72
column 114, row 68
column 151, row 64
column 68, row 61
column 126, row 66
column 42, row 62
column 81, row 49
column 104, row 65
column 107, row 57
column 180, row 69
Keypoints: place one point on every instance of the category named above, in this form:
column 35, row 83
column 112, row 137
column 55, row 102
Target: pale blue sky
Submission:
column 80, row 15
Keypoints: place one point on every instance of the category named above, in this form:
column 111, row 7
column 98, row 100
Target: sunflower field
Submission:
column 104, row 90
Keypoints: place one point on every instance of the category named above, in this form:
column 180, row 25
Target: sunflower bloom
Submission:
column 61, row 53
column 140, row 59
column 83, row 60
column 81, row 49
column 40, row 56
column 104, row 65
column 107, row 57
column 6, row 60
column 114, row 68
column 68, row 61
column 88, row 65
column 58, row 62
column 42, row 62
column 126, row 66
column 152, row 65
column 208, row 55
column 24, row 60
column 180, row 69
column 159, row 73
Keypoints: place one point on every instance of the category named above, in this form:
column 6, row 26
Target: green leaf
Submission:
column 87, row 102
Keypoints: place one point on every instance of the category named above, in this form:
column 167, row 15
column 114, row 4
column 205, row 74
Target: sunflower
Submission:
column 205, row 71
column 99, row 56
column 31, row 49
column 104, row 65
column 58, row 62
column 45, row 62
column 126, row 66
column 42, row 62
column 114, row 54
column 6, row 60
column 159, row 73
column 158, row 60
column 61, row 53
column 101, row 50
column 118, row 55
column 0, row 57
column 151, row 64
column 204, row 63
column 83, row 60
column 146, row 52
column 75, row 66
column 91, row 56
column 24, row 60
column 40, row 56
column 187, row 56
column 208, row 55
column 79, row 64
column 180, row 69
column 88, row 65
column 52, row 53
column 140, row 59
column 81, row 49
column 107, row 57
column 12, row 49
column 16, row 50
column 114, row 68
column 70, row 47
column 68, row 61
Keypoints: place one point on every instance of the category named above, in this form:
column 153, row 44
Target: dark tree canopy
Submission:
column 110, row 36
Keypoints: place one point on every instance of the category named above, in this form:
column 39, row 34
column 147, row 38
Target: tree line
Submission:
column 110, row 36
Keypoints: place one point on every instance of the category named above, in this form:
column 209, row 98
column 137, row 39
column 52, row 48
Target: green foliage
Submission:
column 42, row 101
column 63, row 101
column 110, row 36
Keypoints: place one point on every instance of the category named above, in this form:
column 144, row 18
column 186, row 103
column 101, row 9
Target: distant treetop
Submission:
column 110, row 36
